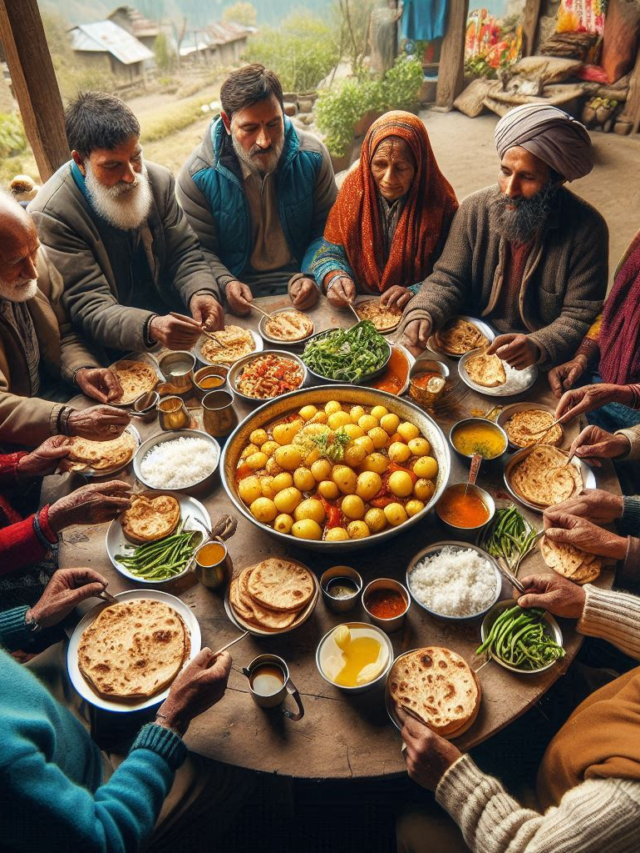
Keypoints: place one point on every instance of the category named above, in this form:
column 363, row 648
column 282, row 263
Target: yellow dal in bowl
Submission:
column 484, row 439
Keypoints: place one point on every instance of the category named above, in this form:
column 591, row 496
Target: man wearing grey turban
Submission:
column 529, row 256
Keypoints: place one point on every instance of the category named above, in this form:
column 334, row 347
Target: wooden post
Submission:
column 530, row 26
column 34, row 82
column 451, row 67
column 631, row 113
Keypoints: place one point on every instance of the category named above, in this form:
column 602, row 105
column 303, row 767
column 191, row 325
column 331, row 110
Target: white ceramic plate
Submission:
column 92, row 473
column 197, row 349
column 117, row 542
column 485, row 328
column 588, row 477
column 78, row 680
column 528, row 377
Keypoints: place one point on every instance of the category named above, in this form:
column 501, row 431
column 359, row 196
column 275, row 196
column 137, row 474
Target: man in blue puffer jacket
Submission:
column 257, row 193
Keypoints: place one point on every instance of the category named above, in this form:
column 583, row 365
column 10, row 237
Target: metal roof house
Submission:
column 135, row 23
column 216, row 44
column 106, row 46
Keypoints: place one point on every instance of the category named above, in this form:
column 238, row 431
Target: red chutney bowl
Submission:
column 386, row 602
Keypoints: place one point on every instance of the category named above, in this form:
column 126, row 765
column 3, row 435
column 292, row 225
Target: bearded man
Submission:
column 529, row 256
column 257, row 193
column 114, row 230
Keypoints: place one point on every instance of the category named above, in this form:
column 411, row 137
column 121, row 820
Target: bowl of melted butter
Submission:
column 354, row 656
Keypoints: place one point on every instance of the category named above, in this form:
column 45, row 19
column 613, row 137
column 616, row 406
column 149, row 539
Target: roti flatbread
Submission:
column 544, row 478
column 288, row 326
column 133, row 649
column 149, row 519
column 252, row 611
column 237, row 342
column 459, row 336
column 570, row 562
column 439, row 686
column 384, row 319
column 280, row 585
column 136, row 378
column 101, row 455
column 527, row 427
column 486, row 370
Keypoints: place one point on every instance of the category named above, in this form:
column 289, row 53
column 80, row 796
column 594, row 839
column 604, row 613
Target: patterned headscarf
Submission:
column 355, row 223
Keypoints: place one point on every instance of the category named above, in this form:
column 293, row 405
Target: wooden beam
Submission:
column 530, row 22
column 34, row 83
column 451, row 68
column 631, row 112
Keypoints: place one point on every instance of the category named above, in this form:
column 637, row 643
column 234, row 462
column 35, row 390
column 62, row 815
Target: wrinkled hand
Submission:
column 594, row 443
column 565, row 376
column 66, row 589
column 91, row 504
column 416, row 334
column 199, row 686
column 304, row 293
column 579, row 401
column 556, row 594
column 569, row 529
column 595, row 505
column 342, row 293
column 44, row 459
column 428, row 755
column 98, row 423
column 239, row 297
column 207, row 311
column 177, row 333
column 519, row 351
column 396, row 297
column 100, row 383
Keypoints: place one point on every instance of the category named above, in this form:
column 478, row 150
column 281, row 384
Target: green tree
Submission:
column 241, row 13
column 163, row 52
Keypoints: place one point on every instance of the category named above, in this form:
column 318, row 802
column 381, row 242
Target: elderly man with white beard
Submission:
column 527, row 255
column 114, row 230
column 37, row 347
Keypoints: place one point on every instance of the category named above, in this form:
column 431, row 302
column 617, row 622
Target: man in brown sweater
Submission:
column 528, row 255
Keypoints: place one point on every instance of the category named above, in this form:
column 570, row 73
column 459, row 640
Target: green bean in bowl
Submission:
column 354, row 355
column 522, row 640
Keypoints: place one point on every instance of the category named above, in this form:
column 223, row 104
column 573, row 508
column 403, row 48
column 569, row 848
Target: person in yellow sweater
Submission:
column 588, row 785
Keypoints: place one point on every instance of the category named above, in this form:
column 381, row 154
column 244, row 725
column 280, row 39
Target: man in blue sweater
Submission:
column 257, row 193
column 58, row 791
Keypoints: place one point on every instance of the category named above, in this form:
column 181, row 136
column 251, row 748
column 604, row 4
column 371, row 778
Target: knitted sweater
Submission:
column 52, row 795
column 598, row 815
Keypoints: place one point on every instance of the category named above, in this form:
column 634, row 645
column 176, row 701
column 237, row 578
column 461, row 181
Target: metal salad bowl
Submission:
column 366, row 377
column 552, row 629
column 236, row 372
column 288, row 404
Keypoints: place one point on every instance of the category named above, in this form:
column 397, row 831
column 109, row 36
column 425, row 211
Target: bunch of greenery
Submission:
column 241, row 13
column 13, row 139
column 301, row 51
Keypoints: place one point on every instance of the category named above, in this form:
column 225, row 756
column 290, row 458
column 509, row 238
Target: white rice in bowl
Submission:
column 179, row 463
column 454, row 582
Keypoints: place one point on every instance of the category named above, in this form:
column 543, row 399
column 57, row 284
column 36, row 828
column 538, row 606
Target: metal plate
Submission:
column 197, row 349
column 161, row 437
column 93, row 473
column 116, row 542
column 588, row 477
column 364, row 299
column 569, row 432
column 236, row 370
column 368, row 377
column 146, row 358
column 82, row 685
column 485, row 328
column 319, row 396
column 530, row 376
column 262, row 328
column 553, row 630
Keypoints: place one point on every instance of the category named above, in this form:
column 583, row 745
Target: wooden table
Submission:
column 340, row 736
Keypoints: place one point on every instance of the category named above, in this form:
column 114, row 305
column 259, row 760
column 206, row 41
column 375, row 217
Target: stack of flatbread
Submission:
column 136, row 378
column 543, row 477
column 527, row 427
column 289, row 326
column 134, row 649
column 383, row 318
column 571, row 562
column 438, row 686
column 459, row 336
column 272, row 594
column 149, row 519
column 100, row 455
column 486, row 370
column 237, row 342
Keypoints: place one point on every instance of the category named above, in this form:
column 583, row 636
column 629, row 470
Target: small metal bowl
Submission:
column 238, row 367
column 212, row 370
column 200, row 487
column 341, row 605
column 395, row 622
column 146, row 406
column 467, row 457
column 430, row 551
column 553, row 630
column 469, row 532
column 360, row 688
column 363, row 379
column 177, row 368
column 422, row 396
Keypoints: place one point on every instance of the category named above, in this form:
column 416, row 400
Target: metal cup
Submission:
column 340, row 605
column 214, row 575
column 277, row 697
column 217, row 370
column 173, row 414
column 422, row 396
column 146, row 405
column 177, row 368
column 218, row 415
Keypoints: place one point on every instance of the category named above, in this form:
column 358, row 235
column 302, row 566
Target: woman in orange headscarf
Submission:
column 391, row 218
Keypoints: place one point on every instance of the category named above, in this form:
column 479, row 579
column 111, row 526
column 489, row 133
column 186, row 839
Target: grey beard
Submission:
column 249, row 160
column 529, row 215
column 18, row 291
column 125, row 206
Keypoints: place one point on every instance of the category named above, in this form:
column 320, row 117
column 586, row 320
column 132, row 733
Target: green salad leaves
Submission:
column 347, row 355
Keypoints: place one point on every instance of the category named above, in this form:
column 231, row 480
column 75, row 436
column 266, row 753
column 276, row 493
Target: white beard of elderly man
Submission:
column 528, row 256
column 134, row 273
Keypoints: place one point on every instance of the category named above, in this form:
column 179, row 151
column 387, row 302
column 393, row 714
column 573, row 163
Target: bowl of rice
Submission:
column 454, row 581
column 183, row 460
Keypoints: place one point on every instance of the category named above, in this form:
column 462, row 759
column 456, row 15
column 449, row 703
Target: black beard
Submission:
column 529, row 215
